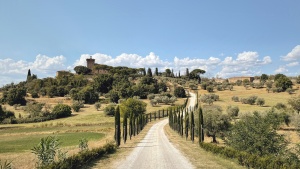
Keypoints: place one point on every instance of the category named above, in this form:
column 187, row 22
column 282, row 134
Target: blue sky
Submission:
column 226, row 39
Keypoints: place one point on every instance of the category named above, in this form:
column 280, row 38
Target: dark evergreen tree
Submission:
column 117, row 126
column 156, row 72
column 149, row 72
column 125, row 128
column 192, row 126
column 28, row 76
column 200, row 125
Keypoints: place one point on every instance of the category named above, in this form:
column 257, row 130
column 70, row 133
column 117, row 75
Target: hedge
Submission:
column 83, row 158
column 252, row 160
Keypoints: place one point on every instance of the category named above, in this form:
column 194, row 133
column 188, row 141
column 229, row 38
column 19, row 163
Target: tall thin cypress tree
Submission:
column 192, row 126
column 125, row 127
column 200, row 125
column 118, row 126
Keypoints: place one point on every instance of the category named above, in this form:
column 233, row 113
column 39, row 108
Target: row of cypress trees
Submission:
column 183, row 121
column 132, row 125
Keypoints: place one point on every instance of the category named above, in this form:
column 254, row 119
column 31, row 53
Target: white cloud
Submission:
column 245, row 64
column 293, row 55
column 281, row 69
column 292, row 64
column 42, row 66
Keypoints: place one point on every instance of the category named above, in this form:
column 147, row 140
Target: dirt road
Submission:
column 155, row 151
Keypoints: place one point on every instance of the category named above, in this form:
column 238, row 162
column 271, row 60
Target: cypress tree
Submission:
column 181, row 124
column 163, row 112
column 117, row 126
column 192, row 126
column 125, row 127
column 130, row 126
column 200, row 126
column 158, row 114
column 28, row 75
column 155, row 115
column 150, row 116
column 149, row 72
column 186, row 125
column 156, row 72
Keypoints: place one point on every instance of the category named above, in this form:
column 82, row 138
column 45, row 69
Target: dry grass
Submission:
column 197, row 156
column 151, row 108
column 271, row 99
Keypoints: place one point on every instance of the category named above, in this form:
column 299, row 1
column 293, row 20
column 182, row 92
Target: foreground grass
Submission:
column 24, row 143
column 197, row 156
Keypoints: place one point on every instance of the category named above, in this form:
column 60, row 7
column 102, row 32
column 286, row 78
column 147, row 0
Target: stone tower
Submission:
column 90, row 62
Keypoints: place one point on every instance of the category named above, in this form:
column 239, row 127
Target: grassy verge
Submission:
column 26, row 142
column 197, row 156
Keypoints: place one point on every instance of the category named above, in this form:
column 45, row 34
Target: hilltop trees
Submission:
column 82, row 70
column 14, row 96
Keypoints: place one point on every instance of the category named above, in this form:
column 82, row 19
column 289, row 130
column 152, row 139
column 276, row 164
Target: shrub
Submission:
column 290, row 91
column 233, row 111
column 210, row 88
column 260, row 101
column 179, row 92
column 77, row 105
column 110, row 110
column 219, row 88
column 46, row 150
column 235, row 98
column 83, row 144
column 97, row 105
column 252, row 100
column 280, row 106
column 150, row 96
column 61, row 110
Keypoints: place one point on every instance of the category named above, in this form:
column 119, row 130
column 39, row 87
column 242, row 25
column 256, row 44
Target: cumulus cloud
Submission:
column 152, row 61
column 281, row 69
column 292, row 64
column 246, row 64
column 16, row 71
column 293, row 55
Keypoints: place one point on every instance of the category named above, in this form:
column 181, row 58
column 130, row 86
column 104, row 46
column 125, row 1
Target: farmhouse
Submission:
column 235, row 79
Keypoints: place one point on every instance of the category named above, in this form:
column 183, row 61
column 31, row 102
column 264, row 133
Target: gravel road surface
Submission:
column 155, row 151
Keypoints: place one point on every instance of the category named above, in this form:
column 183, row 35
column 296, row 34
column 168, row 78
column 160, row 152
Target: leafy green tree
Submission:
column 264, row 78
column 14, row 96
column 168, row 72
column 103, row 83
column 215, row 123
column 110, row 110
column 82, row 70
column 195, row 74
column 61, row 110
column 179, row 92
column 256, row 134
column 283, row 82
column 133, row 106
column 89, row 95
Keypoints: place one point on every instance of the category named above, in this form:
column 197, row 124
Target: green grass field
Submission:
column 25, row 142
